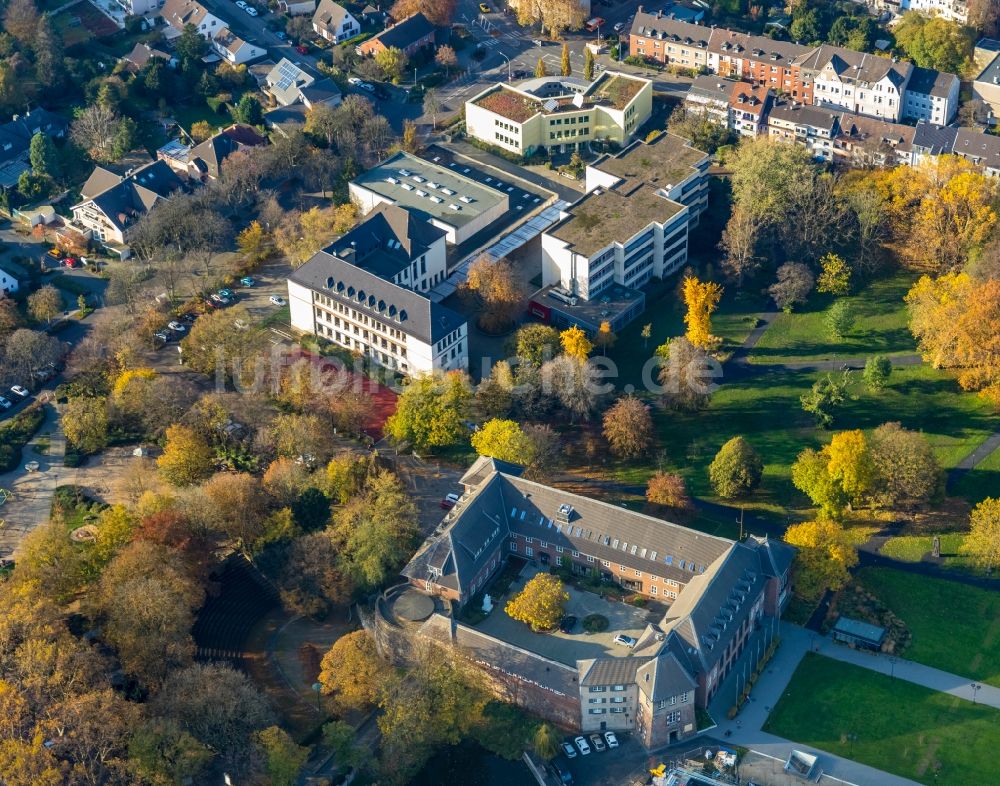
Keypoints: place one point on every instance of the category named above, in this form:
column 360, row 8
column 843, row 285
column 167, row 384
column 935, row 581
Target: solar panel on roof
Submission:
column 549, row 105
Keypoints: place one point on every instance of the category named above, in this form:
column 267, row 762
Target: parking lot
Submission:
column 568, row 648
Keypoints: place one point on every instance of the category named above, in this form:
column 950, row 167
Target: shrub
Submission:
column 15, row 433
column 595, row 623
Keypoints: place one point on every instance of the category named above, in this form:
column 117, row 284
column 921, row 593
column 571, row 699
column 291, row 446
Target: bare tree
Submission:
column 94, row 129
column 739, row 242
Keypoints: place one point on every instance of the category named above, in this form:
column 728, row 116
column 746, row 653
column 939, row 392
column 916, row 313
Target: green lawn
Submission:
column 955, row 627
column 889, row 724
column 982, row 481
column 913, row 548
column 881, row 327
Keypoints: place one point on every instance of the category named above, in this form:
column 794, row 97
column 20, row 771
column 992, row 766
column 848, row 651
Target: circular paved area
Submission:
column 413, row 606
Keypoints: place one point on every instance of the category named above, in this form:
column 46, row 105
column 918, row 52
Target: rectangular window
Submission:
column 638, row 573
column 543, row 544
column 590, row 559
column 684, row 698
column 513, row 546
column 618, row 687
column 598, row 711
column 529, row 552
column 597, row 689
column 653, row 590
column 576, row 553
column 559, row 549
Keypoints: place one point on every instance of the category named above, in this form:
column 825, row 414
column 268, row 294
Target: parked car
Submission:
column 611, row 739
column 281, row 35
column 211, row 303
column 520, row 73
column 567, row 623
column 226, row 293
column 218, row 299
column 18, row 390
column 595, row 23
column 537, row 42
column 251, row 10
column 561, row 769
column 449, row 501
column 188, row 318
column 582, row 746
column 241, row 4
column 485, row 8
column 354, row 81
column 619, row 26
column 367, row 86
column 278, row 300
column 248, row 281
column 302, row 49
column 5, row 403
column 179, row 327
column 55, row 252
column 72, row 262
column 569, row 750
column 625, row 641
column 598, row 742
column 162, row 335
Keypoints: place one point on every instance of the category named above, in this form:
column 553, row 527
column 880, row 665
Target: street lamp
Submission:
column 509, row 77
column 317, row 687
column 892, row 668
column 975, row 689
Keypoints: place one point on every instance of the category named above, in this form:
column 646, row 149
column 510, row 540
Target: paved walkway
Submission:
column 978, row 455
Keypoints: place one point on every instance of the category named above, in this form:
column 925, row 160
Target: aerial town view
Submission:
column 460, row 393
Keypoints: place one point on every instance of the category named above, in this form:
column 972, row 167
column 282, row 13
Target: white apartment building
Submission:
column 366, row 293
column 858, row 82
column 932, row 96
column 810, row 126
column 952, row 10
column 559, row 112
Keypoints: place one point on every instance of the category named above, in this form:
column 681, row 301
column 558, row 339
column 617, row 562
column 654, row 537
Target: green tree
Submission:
column 565, row 67
column 376, row 532
column 165, row 754
column 431, row 412
column 50, row 67
column 45, row 304
column 32, row 186
column 125, row 138
column 85, row 423
column 835, row 278
column 825, row 397
column 540, row 604
column 393, row 62
column 876, row 373
column 839, row 319
column 983, row 541
column 811, row 476
column 339, row 737
column 43, row 155
column 546, row 739
column 736, row 470
column 248, row 110
column 935, row 42
column 536, row 343
column 283, row 758
column 588, row 64
column 504, row 440
column 191, row 45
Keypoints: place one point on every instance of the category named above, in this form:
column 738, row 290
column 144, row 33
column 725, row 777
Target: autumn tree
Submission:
column 565, row 67
column 496, row 287
column 255, row 243
column 701, row 299
column 283, row 759
column 236, row 507
column 982, row 544
column 187, row 457
column 431, row 411
column 148, row 600
column 301, row 235
column 216, row 345
column 554, row 16
column 20, row 19
column 736, row 470
column 935, row 42
column 540, row 604
column 311, row 580
column 376, row 532
column 438, row 12
column 446, row 58
column 906, row 471
column 576, row 386
column 739, row 243
column 575, row 343
column 826, row 553
column 393, row 61
column 588, row 64
column 686, row 375
column 605, row 337
column 536, row 343
column 85, row 423
column 540, row 69
column 351, row 672
column 667, row 489
column 545, row 740
column 503, row 440
column 628, row 427
column 956, row 321
column 45, row 303
column 794, row 283
column 835, row 278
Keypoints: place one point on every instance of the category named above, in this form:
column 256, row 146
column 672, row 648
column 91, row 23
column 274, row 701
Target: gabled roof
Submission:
column 711, row 87
column 387, row 241
column 320, row 92
column 405, row 33
column 142, row 53
column 330, row 14
column 858, row 129
column 933, row 139
column 178, row 13
column 286, row 80
column 209, row 155
column 813, row 116
column 927, row 81
column 411, row 311
column 133, row 195
column 484, row 466
column 663, row 27
column 610, row 671
column 748, row 98
column 856, row 67
column 15, row 136
column 981, row 147
column 663, row 676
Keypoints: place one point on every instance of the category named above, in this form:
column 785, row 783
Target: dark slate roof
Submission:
column 15, row 136
column 929, row 82
column 209, row 155
column 756, row 47
column 484, row 466
column 124, row 202
column 980, row 147
column 934, row 139
column 142, row 53
column 387, row 241
column 665, row 28
column 860, row 128
column 405, row 33
column 711, row 87
column 814, row 116
column 611, row 671
column 330, row 14
column 859, row 67
column 344, row 282
column 663, row 676
column 321, row 91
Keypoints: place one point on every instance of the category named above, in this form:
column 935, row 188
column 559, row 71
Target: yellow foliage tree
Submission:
column 126, row 379
column 351, row 671
column 255, row 242
column 576, row 344
column 540, row 604
column 836, row 276
column 850, row 462
column 701, row 299
column 605, row 338
column 187, row 458
column 826, row 555
column 983, row 541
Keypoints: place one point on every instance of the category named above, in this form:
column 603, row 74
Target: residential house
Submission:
column 334, row 22
column 112, row 204
column 952, row 10
column 761, row 61
column 932, row 140
column 748, row 108
column 630, row 227
column 986, row 86
column 868, row 142
column 659, row 37
column 980, row 148
column 179, row 13
column 710, row 94
column 410, row 35
column 719, row 591
column 559, row 113
column 810, row 126
column 367, row 293
column 289, row 84
column 233, row 49
column 297, row 7
column 141, row 54
column 15, row 141
column 140, row 7
column 932, row 96
column 443, row 196
column 858, row 82
column 8, row 282
column 204, row 161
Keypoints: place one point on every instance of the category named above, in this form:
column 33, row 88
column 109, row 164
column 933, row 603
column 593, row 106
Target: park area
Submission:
column 890, row 724
column 954, row 627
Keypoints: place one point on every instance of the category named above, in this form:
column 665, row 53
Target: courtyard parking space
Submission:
column 568, row 648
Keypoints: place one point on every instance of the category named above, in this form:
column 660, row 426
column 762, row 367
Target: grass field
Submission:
column 955, row 627
column 881, row 327
column 913, row 548
column 889, row 724
column 982, row 481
